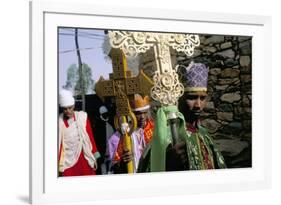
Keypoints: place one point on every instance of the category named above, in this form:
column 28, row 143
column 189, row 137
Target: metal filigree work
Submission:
column 133, row 43
column 167, row 88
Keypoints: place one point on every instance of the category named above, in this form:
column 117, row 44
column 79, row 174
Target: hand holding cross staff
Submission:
column 123, row 86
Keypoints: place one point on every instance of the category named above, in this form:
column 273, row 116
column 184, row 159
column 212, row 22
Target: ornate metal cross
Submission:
column 123, row 86
column 167, row 89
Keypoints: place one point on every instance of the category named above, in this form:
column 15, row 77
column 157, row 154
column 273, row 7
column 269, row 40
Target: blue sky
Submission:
column 90, row 43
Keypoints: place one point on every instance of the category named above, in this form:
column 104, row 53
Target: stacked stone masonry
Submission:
column 228, row 113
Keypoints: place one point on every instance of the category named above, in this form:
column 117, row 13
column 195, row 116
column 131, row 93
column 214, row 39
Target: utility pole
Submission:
column 81, row 82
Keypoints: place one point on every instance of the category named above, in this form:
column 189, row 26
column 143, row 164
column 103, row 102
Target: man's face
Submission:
column 141, row 118
column 68, row 111
column 195, row 101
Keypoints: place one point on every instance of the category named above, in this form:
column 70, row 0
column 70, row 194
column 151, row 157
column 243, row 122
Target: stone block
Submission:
column 230, row 73
column 228, row 81
column 245, row 48
column 229, row 53
column 231, row 97
column 246, row 78
column 214, row 40
column 225, row 116
column 226, row 45
column 211, row 124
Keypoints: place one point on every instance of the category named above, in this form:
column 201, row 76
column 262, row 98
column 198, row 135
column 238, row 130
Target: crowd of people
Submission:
column 82, row 151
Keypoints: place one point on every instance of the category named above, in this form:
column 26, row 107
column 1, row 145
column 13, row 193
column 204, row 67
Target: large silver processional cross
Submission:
column 167, row 89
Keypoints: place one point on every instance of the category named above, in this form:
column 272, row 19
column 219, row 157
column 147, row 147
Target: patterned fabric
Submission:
column 208, row 162
column 148, row 131
column 202, row 151
column 138, row 145
column 195, row 76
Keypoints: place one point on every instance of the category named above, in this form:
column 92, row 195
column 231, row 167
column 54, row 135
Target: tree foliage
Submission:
column 72, row 77
column 79, row 85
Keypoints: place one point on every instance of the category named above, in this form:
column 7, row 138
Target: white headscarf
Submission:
column 65, row 98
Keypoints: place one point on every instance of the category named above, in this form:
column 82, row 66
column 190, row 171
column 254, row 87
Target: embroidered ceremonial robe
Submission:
column 202, row 152
column 148, row 131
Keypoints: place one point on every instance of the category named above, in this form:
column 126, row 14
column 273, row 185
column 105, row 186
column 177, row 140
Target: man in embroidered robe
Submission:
column 77, row 149
column 202, row 151
column 196, row 149
column 140, row 137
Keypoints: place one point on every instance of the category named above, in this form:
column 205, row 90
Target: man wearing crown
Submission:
column 202, row 151
column 140, row 137
column 196, row 149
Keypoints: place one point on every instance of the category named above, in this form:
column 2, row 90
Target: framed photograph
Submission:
column 219, row 62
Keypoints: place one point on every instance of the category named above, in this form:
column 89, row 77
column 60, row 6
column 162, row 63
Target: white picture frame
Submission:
column 46, row 187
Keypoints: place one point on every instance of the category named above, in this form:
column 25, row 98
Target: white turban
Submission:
column 65, row 98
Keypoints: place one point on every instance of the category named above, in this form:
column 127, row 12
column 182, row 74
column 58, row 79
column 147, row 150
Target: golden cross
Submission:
column 123, row 86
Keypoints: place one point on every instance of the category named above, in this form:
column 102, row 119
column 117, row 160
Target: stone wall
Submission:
column 228, row 112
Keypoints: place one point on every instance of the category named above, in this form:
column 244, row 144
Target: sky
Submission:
column 90, row 43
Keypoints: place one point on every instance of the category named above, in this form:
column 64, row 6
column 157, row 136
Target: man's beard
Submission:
column 196, row 112
column 193, row 114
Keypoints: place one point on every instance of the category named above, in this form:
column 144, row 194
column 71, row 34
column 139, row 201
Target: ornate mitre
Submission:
column 195, row 77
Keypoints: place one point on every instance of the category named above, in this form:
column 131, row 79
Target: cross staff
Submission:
column 123, row 86
column 167, row 89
